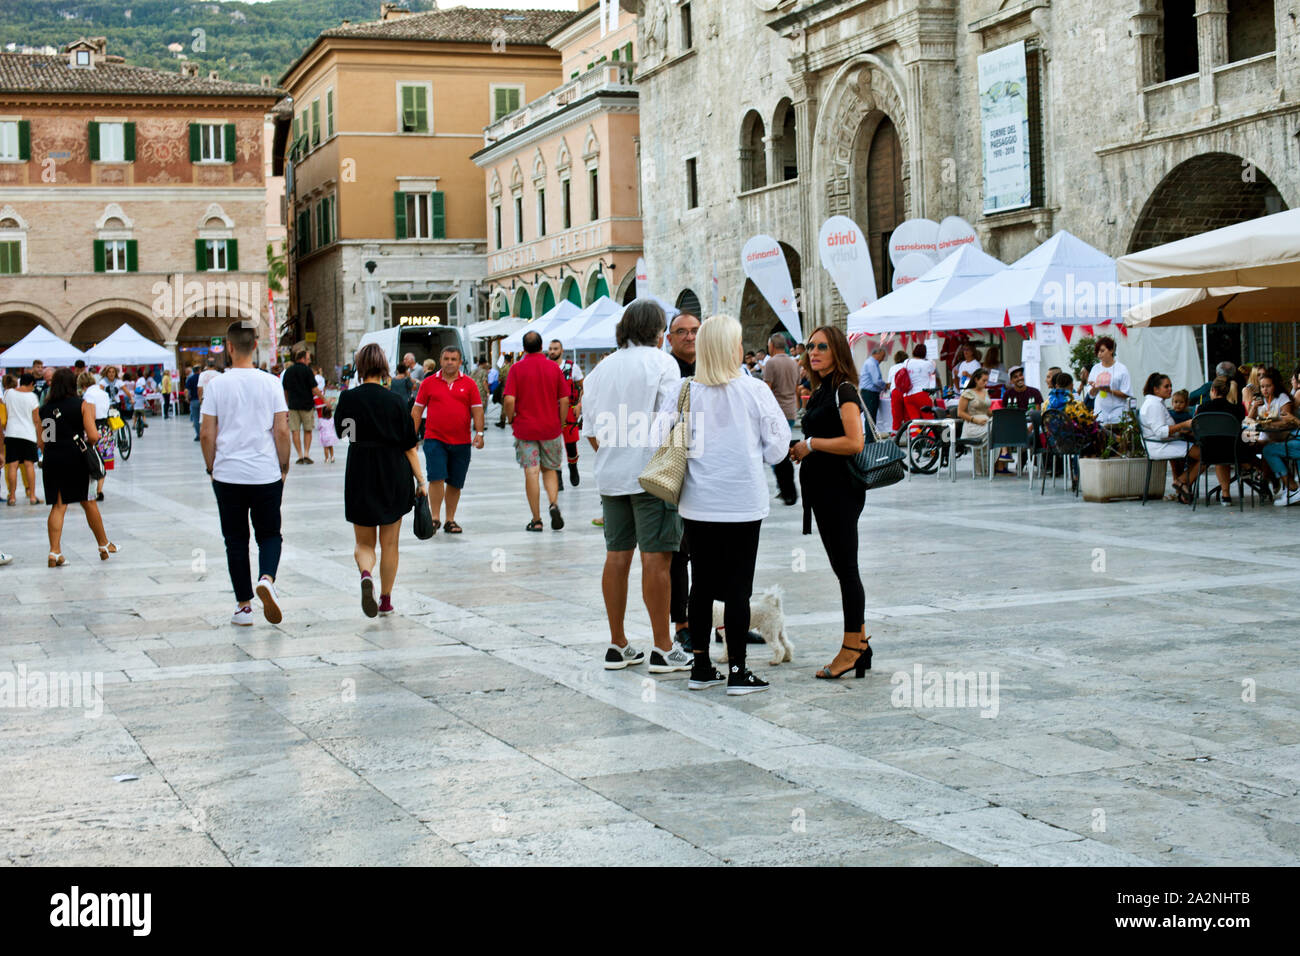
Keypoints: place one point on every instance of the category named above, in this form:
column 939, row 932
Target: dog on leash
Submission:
column 768, row 619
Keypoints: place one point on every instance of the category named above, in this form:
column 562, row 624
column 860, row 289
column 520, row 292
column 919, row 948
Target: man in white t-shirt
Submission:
column 622, row 397
column 245, row 441
column 1109, row 383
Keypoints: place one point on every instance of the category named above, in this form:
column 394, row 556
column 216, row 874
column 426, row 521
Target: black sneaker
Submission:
column 746, row 683
column 704, row 677
column 683, row 637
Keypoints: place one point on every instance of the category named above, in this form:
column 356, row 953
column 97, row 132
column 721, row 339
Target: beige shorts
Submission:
column 547, row 454
column 302, row 418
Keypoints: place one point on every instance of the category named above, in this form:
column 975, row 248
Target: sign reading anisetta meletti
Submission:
column 565, row 244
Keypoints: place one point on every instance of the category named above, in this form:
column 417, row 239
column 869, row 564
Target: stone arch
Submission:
column 516, row 176
column 114, row 211
column 595, row 284
column 96, row 320
column 214, row 211
column 590, row 144
column 9, row 212
column 625, row 291
column 753, row 152
column 563, row 160
column 757, row 319
column 539, row 165
column 523, row 304
column 494, row 188
column 688, row 301
column 785, row 141
column 572, row 291
column 18, row 318
column 500, row 306
column 545, row 298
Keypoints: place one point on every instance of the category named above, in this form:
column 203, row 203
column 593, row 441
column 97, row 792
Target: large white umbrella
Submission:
column 562, row 310
column 909, row 308
column 40, row 345
column 126, row 346
column 1205, row 306
column 1258, row 252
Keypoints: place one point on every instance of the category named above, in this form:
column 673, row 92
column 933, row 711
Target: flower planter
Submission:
column 1113, row 479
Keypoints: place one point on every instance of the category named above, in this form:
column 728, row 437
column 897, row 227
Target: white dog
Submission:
column 767, row 618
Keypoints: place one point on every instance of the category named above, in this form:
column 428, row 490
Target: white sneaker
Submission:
column 243, row 616
column 5, row 558
column 1284, row 497
column 265, row 590
column 1293, row 496
column 665, row 662
column 616, row 658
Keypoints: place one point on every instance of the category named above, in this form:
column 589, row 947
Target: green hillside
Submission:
column 242, row 41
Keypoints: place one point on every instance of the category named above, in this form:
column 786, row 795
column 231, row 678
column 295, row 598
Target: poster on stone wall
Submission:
column 1004, row 121
column 764, row 262
column 845, row 256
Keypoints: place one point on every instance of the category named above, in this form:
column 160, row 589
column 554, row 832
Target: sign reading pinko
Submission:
column 845, row 256
column 764, row 263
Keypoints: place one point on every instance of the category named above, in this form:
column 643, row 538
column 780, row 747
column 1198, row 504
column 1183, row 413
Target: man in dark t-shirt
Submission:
column 192, row 396
column 299, row 394
column 1020, row 396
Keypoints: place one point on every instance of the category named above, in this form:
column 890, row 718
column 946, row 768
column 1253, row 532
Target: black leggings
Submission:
column 572, row 448
column 678, row 611
column 837, row 524
column 723, row 554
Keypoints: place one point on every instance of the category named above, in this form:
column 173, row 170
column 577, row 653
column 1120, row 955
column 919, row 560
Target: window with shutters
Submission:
column 422, row 216
column 627, row 51
column 315, row 122
column 506, row 99
column 9, row 151
column 325, row 228
column 212, row 142
column 413, row 107
column 214, row 255
column 11, row 257
column 303, row 232
column 112, row 142
column 329, row 113
column 115, row 258
column 496, row 223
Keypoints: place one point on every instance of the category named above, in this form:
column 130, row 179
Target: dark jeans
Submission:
column 723, row 554
column 194, row 417
column 871, row 403
column 237, row 504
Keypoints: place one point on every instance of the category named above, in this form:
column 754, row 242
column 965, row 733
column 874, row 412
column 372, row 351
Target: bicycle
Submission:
column 121, row 433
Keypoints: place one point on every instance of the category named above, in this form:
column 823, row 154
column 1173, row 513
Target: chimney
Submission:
column 392, row 11
column 266, row 79
column 212, row 75
column 346, row 23
column 189, row 69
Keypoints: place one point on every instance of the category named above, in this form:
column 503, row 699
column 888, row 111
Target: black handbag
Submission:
column 423, row 518
column 94, row 464
column 880, row 463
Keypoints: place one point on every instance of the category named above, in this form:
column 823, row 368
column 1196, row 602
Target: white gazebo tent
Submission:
column 126, row 346
column 40, row 345
column 909, row 308
column 560, row 312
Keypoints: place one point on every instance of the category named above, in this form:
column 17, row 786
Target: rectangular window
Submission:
column 519, row 219
column 115, row 258
column 1034, row 98
column 541, row 212
column 593, row 180
column 8, row 140
column 566, row 215
column 687, row 41
column 214, row 255
column 11, row 257
column 303, row 233
column 329, row 112
column 417, row 216
column 211, row 143
column 315, row 122
column 415, row 109
column 505, row 100
column 112, row 142
column 692, row 185
column 496, row 223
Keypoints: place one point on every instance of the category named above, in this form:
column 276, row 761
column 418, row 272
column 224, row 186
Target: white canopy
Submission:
column 601, row 334
column 909, row 308
column 40, row 345
column 126, row 346
column 571, row 330
column 1258, row 252
column 1064, row 280
column 494, row 328
column 560, row 312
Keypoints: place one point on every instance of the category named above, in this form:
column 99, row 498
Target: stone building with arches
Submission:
column 129, row 195
column 1148, row 120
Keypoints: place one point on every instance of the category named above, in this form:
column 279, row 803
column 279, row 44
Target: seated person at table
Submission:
column 1164, row 437
column 1223, row 394
column 1178, row 407
column 1049, row 382
column 1061, row 393
column 1019, row 395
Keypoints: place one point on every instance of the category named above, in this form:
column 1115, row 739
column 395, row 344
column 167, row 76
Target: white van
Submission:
column 422, row 341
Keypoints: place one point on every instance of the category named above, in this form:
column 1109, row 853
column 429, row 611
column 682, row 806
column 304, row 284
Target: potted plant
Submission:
column 1119, row 469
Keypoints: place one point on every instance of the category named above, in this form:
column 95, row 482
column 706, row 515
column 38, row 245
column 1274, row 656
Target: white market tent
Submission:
column 560, row 312
column 494, row 328
column 1258, row 252
column 126, row 346
column 909, row 308
column 600, row 335
column 570, row 331
column 40, row 345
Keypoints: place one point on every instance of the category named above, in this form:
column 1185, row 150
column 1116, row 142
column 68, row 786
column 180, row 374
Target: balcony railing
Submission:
column 614, row 75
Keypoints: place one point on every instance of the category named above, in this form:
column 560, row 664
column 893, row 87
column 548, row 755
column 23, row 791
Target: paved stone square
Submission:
column 1138, row 669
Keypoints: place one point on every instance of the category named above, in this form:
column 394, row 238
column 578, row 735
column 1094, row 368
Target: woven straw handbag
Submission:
column 666, row 470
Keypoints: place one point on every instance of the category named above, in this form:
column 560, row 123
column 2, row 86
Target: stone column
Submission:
column 1211, row 45
column 1145, row 28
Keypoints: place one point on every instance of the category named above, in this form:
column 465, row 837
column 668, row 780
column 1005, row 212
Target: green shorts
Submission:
column 640, row 521
column 546, row 455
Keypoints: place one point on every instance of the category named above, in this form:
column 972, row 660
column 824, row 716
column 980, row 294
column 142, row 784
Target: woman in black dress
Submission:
column 377, row 484
column 67, row 428
column 832, row 427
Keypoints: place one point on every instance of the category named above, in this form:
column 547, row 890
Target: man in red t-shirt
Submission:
column 537, row 403
column 447, row 401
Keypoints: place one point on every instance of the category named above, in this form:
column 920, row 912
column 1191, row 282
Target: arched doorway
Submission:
column 571, row 291
column 194, row 340
column 628, row 287
column 523, row 305
column 545, row 299
column 102, row 324
column 596, row 287
column 689, row 302
column 757, row 319
column 16, row 323
column 878, row 197
column 1208, row 192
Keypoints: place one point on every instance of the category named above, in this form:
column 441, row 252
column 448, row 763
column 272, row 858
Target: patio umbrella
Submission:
column 1205, row 306
column 909, row 308
column 40, row 345
column 1258, row 252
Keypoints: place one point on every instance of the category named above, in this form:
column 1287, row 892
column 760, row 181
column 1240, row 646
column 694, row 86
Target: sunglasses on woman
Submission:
column 820, row 346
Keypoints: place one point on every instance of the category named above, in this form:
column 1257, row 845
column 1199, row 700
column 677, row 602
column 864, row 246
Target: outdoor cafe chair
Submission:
column 1217, row 435
column 1146, row 452
column 1064, row 444
column 1009, row 428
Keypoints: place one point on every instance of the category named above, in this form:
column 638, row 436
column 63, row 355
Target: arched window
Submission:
column 688, row 301
column 753, row 152
column 786, row 145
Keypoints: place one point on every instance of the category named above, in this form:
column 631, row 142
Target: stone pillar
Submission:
column 1211, row 45
column 1146, row 23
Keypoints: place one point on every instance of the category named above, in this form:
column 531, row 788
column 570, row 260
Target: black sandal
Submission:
column 534, row 525
column 1184, row 493
column 859, row 666
column 452, row 528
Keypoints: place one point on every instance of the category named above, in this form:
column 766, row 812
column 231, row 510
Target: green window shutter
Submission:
column 229, row 153
column 294, row 141
column 410, row 108
column 99, row 255
column 421, row 110
column 195, row 154
column 399, row 214
column 232, row 255
column 128, row 142
column 132, row 256
column 315, row 122
column 320, row 224
column 24, row 139
column 329, row 112
column 94, row 142
column 615, row 55
column 200, row 256
column 627, row 52
column 438, row 216
column 498, row 104
column 574, row 75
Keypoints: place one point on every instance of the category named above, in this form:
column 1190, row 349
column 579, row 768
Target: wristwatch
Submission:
column 480, row 434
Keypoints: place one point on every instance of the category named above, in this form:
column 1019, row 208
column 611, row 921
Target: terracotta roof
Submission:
column 42, row 73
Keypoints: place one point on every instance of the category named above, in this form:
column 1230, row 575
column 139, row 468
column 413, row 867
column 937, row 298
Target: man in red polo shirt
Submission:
column 448, row 401
column 537, row 402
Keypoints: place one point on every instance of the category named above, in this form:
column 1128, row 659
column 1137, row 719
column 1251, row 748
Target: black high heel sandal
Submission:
column 859, row 666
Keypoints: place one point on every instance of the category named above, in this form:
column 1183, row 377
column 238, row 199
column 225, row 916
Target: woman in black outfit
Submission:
column 832, row 427
column 377, row 483
column 70, row 424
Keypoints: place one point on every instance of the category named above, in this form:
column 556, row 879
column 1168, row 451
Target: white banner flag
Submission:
column 845, row 256
column 642, row 279
column 914, row 237
column 764, row 263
